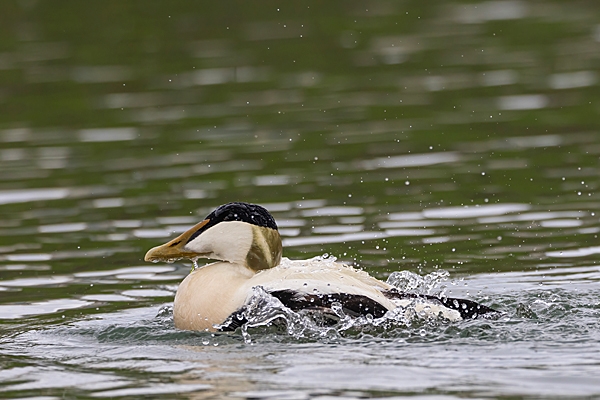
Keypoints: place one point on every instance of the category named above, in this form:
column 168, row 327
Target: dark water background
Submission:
column 460, row 136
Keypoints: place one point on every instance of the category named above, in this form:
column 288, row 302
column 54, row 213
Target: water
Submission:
column 452, row 149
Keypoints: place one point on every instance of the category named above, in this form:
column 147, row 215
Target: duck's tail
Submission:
column 468, row 309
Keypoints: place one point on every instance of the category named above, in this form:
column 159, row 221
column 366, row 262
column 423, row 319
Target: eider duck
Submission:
column 245, row 240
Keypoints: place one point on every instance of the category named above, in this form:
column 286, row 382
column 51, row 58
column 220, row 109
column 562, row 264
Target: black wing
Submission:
column 321, row 304
column 353, row 305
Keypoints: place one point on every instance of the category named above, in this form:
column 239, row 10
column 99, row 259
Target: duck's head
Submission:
column 239, row 233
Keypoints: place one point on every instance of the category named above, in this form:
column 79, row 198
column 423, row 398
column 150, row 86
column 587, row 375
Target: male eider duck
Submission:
column 245, row 240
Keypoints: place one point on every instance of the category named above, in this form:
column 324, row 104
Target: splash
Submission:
column 324, row 261
column 265, row 313
column 406, row 281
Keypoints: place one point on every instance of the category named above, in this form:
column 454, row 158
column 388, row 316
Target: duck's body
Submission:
column 245, row 238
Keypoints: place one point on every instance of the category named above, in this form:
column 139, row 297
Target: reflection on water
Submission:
column 457, row 137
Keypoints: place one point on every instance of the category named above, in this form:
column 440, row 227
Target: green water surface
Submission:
column 394, row 135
